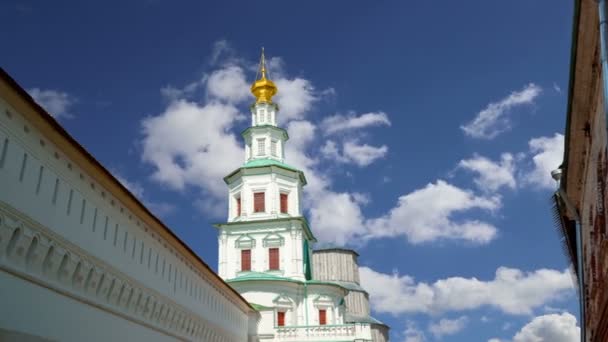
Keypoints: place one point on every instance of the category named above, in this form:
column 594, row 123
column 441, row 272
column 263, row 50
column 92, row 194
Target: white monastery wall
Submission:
column 95, row 235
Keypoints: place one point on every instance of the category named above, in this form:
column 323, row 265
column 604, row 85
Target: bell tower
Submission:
column 265, row 231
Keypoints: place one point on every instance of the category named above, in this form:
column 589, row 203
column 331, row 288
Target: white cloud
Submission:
column 548, row 328
column 295, row 98
column 512, row 291
column 547, row 155
column 229, row 84
column 221, row 48
column 189, row 144
column 412, row 333
column 337, row 217
column 448, row 326
column 353, row 152
column 491, row 175
column 339, row 123
column 363, row 154
column 557, row 88
column 56, row 103
column 493, row 119
column 427, row 215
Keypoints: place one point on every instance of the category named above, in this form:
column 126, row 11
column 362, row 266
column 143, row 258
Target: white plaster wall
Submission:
column 290, row 254
column 38, row 180
column 272, row 184
column 304, row 304
column 36, row 310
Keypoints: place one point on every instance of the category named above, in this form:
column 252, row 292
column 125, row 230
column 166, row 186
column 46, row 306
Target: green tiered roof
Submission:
column 266, row 162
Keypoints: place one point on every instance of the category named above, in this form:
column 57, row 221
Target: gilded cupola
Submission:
column 263, row 89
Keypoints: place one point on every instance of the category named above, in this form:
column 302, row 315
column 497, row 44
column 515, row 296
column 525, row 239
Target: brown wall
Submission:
column 586, row 173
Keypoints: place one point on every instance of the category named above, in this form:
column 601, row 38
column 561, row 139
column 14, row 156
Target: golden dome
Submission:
column 263, row 89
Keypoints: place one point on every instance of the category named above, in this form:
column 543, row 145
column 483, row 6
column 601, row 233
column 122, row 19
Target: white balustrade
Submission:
column 327, row 332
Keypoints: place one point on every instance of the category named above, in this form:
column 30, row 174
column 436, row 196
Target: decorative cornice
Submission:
column 35, row 253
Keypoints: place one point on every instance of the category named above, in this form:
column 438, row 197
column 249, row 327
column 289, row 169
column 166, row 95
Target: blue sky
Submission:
column 428, row 128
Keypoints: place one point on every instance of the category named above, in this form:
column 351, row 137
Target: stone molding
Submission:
column 37, row 254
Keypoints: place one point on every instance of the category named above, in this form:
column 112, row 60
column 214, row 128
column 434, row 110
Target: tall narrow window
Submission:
column 284, row 203
column 322, row 317
column 238, row 206
column 261, row 147
column 281, row 318
column 273, row 148
column 273, row 258
column 245, row 259
column 258, row 202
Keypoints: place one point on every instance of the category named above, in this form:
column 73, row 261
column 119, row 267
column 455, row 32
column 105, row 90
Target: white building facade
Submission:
column 265, row 247
column 81, row 259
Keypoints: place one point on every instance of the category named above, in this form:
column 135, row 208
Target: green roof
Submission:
column 350, row 286
column 267, row 162
column 260, row 307
column 257, row 127
column 297, row 218
column 361, row 319
column 250, row 276
column 260, row 276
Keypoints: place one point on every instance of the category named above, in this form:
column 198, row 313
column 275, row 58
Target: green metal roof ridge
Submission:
column 260, row 307
column 362, row 319
column 351, row 286
column 260, row 276
column 284, row 131
column 267, row 162
column 298, row 218
column 322, row 282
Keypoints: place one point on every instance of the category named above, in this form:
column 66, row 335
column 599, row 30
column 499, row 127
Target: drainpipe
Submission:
column 581, row 275
column 579, row 259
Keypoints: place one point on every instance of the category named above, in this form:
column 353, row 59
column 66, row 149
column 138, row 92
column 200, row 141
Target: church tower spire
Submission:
column 264, row 139
column 263, row 88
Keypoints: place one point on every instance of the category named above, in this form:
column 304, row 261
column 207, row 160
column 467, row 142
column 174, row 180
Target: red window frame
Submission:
column 322, row 316
column 273, row 259
column 238, row 206
column 258, row 202
column 280, row 318
column 284, row 203
column 245, row 259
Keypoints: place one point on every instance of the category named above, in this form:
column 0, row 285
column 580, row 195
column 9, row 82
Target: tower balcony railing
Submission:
column 337, row 332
